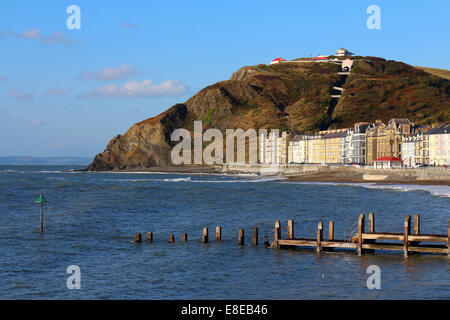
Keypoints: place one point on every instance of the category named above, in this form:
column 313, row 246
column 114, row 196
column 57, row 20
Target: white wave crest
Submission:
column 436, row 190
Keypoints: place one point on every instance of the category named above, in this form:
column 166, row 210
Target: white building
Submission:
column 388, row 163
column 439, row 145
column 277, row 60
column 408, row 151
column 343, row 52
column 355, row 145
column 298, row 149
column 273, row 148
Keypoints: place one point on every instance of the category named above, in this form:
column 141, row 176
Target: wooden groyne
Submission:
column 204, row 237
column 355, row 238
column 361, row 241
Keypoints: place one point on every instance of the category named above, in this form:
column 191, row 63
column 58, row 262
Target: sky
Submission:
column 67, row 92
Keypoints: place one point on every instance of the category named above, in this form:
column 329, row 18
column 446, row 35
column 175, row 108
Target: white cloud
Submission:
column 144, row 88
column 30, row 34
column 130, row 25
column 55, row 93
column 20, row 96
column 36, row 122
column 55, row 37
column 113, row 73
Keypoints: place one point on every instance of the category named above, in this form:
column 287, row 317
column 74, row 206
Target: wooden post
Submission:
column 448, row 239
column 42, row 219
column 416, row 230
column 361, row 223
column 219, row 233
column 416, row 224
column 407, row 231
column 241, row 237
column 184, row 237
column 149, row 236
column 138, row 237
column 277, row 233
column 319, row 237
column 331, row 231
column 255, row 236
column 291, row 229
column 371, row 222
column 205, row 235
column 171, row 238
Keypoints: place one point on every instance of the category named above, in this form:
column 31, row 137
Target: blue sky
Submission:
column 68, row 92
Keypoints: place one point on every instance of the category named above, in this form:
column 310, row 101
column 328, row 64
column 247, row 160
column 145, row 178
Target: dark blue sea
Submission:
column 91, row 220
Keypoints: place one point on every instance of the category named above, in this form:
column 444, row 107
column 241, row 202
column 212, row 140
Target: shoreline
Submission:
column 349, row 179
column 333, row 175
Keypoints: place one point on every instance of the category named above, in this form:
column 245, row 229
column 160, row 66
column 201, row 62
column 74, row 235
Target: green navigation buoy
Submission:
column 41, row 200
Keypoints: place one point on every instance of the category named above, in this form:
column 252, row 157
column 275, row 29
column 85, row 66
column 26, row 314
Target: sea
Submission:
column 91, row 220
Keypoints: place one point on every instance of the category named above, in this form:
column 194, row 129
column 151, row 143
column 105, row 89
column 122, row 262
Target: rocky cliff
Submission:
column 287, row 96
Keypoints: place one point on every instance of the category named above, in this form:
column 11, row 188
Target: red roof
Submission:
column 278, row 59
column 320, row 58
column 388, row 159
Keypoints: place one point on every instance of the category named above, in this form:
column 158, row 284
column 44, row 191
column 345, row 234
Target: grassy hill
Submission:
column 437, row 72
column 288, row 96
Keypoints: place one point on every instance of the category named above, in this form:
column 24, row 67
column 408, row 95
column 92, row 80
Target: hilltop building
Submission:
column 343, row 52
column 277, row 60
column 320, row 57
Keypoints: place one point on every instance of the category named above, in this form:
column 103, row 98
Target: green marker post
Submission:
column 41, row 200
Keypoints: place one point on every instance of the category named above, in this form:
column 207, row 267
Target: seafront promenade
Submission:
column 332, row 173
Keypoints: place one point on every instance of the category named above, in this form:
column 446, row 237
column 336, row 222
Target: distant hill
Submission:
column 437, row 72
column 287, row 96
column 44, row 160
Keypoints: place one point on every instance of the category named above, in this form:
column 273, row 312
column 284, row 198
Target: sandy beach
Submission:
column 355, row 178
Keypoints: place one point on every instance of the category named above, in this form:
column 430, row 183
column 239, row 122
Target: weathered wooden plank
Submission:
column 291, row 229
column 360, row 233
column 416, row 224
column 371, row 222
column 241, row 237
column 382, row 236
column 383, row 246
column 218, row 233
column 205, row 235
column 400, row 237
column 255, row 236
column 331, row 231
column 428, row 249
column 306, row 243
column 277, row 234
column 427, row 238
column 335, row 244
column 407, row 231
column 319, row 237
column 448, row 238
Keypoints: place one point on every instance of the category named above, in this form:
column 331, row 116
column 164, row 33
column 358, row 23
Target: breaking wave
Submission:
column 438, row 190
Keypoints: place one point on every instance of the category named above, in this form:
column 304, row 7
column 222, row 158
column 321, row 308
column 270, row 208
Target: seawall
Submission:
column 439, row 175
